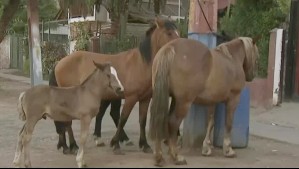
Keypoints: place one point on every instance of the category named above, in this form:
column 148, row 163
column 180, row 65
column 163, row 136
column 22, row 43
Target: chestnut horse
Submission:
column 134, row 69
column 189, row 72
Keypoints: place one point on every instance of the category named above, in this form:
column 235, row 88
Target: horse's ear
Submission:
column 256, row 38
column 99, row 66
column 159, row 22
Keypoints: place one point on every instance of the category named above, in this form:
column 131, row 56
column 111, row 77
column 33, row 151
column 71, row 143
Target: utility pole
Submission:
column 36, row 72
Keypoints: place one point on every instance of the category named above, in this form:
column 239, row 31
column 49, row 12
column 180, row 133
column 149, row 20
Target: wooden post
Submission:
column 34, row 43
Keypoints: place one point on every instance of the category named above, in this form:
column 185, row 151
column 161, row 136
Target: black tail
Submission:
column 52, row 78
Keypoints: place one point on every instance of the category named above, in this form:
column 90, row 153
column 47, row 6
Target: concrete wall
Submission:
column 5, row 53
column 264, row 92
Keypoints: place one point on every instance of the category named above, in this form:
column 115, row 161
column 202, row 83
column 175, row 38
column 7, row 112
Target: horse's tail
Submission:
column 22, row 115
column 160, row 99
column 52, row 78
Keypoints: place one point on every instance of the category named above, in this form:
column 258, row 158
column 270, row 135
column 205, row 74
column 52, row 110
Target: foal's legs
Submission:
column 24, row 139
column 207, row 144
column 231, row 105
column 143, row 107
column 175, row 120
column 85, row 123
column 128, row 106
column 98, row 126
column 19, row 149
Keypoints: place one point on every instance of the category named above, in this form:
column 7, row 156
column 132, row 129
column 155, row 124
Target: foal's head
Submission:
column 160, row 33
column 106, row 78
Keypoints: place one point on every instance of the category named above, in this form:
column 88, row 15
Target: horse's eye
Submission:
column 108, row 75
column 169, row 33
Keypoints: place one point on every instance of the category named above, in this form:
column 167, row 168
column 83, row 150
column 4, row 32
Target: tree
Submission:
column 256, row 17
column 9, row 9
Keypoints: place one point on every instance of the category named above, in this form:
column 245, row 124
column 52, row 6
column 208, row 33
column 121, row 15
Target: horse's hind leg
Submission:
column 207, row 144
column 85, row 123
column 18, row 153
column 175, row 120
column 231, row 105
column 115, row 114
column 143, row 107
column 28, row 130
column 98, row 123
column 159, row 160
column 60, row 129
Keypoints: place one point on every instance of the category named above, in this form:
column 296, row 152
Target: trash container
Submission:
column 240, row 128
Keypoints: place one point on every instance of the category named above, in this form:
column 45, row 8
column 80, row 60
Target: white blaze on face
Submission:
column 177, row 33
column 113, row 71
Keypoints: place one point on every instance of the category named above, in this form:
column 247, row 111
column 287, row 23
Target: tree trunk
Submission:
column 8, row 13
column 157, row 7
column 123, row 18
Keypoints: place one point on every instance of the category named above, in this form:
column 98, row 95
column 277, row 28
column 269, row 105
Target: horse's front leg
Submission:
column 175, row 120
column 231, row 105
column 128, row 106
column 207, row 144
column 159, row 160
column 115, row 115
column 61, row 129
column 98, row 123
column 85, row 123
column 143, row 107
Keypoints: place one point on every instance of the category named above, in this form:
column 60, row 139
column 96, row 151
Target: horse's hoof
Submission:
column 74, row 151
column 147, row 150
column 117, row 151
column 99, row 142
column 206, row 151
column 230, row 153
column 66, row 151
column 128, row 143
column 28, row 165
column 180, row 161
column 160, row 162
column 80, row 165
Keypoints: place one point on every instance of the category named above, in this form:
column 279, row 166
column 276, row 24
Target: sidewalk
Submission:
column 279, row 123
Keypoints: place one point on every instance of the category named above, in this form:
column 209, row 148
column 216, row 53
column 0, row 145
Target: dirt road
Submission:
column 260, row 153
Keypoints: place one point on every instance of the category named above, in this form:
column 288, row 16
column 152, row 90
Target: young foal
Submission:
column 63, row 104
column 191, row 73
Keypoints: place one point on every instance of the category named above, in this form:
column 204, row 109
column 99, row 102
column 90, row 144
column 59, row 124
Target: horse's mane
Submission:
column 145, row 46
column 250, row 49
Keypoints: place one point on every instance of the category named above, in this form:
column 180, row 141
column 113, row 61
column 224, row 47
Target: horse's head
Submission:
column 160, row 33
column 107, row 78
column 251, row 56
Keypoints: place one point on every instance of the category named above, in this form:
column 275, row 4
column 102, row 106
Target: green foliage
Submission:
column 47, row 11
column 82, row 39
column 182, row 27
column 51, row 54
column 256, row 17
column 116, row 45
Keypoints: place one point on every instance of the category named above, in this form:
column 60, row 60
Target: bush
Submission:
column 256, row 17
column 51, row 54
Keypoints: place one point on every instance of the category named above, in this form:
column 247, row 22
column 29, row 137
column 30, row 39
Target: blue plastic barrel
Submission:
column 240, row 128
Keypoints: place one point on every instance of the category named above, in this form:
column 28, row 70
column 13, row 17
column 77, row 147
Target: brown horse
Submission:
column 63, row 104
column 134, row 68
column 190, row 73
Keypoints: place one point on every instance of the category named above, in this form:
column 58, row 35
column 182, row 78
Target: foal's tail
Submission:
column 22, row 115
column 160, row 99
